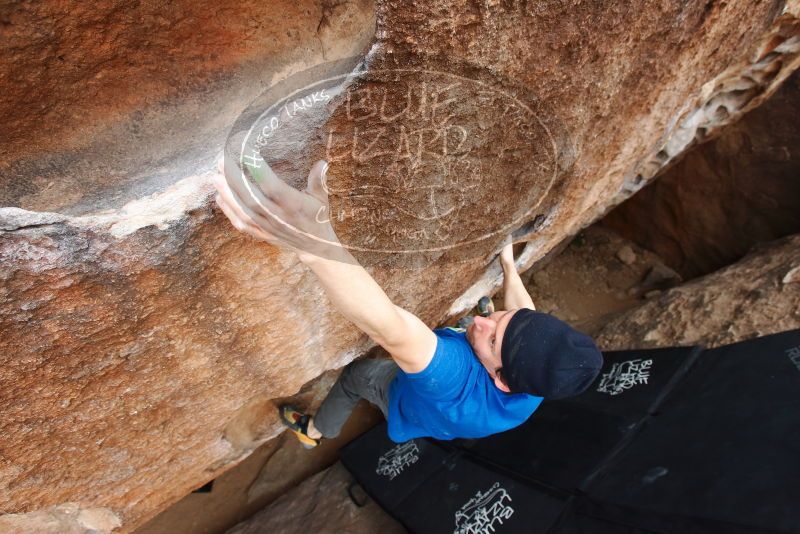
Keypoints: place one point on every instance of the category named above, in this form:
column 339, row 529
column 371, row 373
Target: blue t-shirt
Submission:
column 453, row 397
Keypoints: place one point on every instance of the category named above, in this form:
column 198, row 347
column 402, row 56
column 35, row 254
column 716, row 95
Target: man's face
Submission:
column 485, row 335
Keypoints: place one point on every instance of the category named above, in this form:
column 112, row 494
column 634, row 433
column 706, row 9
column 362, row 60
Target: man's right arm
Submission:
column 283, row 216
column 360, row 299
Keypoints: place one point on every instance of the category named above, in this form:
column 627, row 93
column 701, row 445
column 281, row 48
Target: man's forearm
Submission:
column 354, row 292
column 514, row 293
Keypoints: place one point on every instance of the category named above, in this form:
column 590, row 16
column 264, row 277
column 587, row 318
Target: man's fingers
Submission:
column 229, row 169
column 226, row 196
column 240, row 210
column 251, row 229
column 268, row 182
column 317, row 185
column 282, row 216
column 229, row 213
column 237, row 219
column 243, row 192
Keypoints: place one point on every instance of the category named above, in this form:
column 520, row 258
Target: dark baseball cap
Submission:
column 546, row 357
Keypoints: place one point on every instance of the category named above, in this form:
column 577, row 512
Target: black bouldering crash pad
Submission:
column 669, row 440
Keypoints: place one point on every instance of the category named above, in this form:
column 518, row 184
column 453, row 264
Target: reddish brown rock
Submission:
column 123, row 375
column 109, row 102
column 139, row 329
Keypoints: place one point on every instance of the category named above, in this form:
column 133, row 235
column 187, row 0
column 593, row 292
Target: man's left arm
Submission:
column 514, row 293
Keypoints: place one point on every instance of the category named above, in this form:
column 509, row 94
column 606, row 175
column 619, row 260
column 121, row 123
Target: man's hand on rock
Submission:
column 270, row 210
column 515, row 294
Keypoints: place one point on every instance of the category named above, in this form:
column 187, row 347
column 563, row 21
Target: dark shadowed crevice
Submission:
column 725, row 196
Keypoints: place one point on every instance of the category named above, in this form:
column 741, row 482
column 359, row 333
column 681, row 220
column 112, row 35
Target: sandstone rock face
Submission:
column 66, row 518
column 108, row 103
column 139, row 329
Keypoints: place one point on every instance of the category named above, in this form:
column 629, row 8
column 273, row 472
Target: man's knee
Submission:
column 363, row 377
column 350, row 372
column 358, row 370
column 353, row 379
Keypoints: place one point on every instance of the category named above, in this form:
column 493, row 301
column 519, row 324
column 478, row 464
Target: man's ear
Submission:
column 501, row 384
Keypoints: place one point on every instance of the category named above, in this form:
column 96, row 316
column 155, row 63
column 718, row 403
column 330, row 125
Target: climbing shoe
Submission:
column 297, row 422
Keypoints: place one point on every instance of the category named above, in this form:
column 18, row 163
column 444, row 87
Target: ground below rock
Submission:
column 745, row 300
column 587, row 281
column 320, row 504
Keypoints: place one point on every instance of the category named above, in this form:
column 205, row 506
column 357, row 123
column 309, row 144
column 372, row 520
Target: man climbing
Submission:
column 441, row 383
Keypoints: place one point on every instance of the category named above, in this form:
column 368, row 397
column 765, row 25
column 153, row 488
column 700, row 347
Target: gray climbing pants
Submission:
column 362, row 379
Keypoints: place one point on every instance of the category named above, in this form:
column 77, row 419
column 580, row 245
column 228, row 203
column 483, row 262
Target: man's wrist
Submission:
column 508, row 266
column 336, row 254
column 306, row 257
